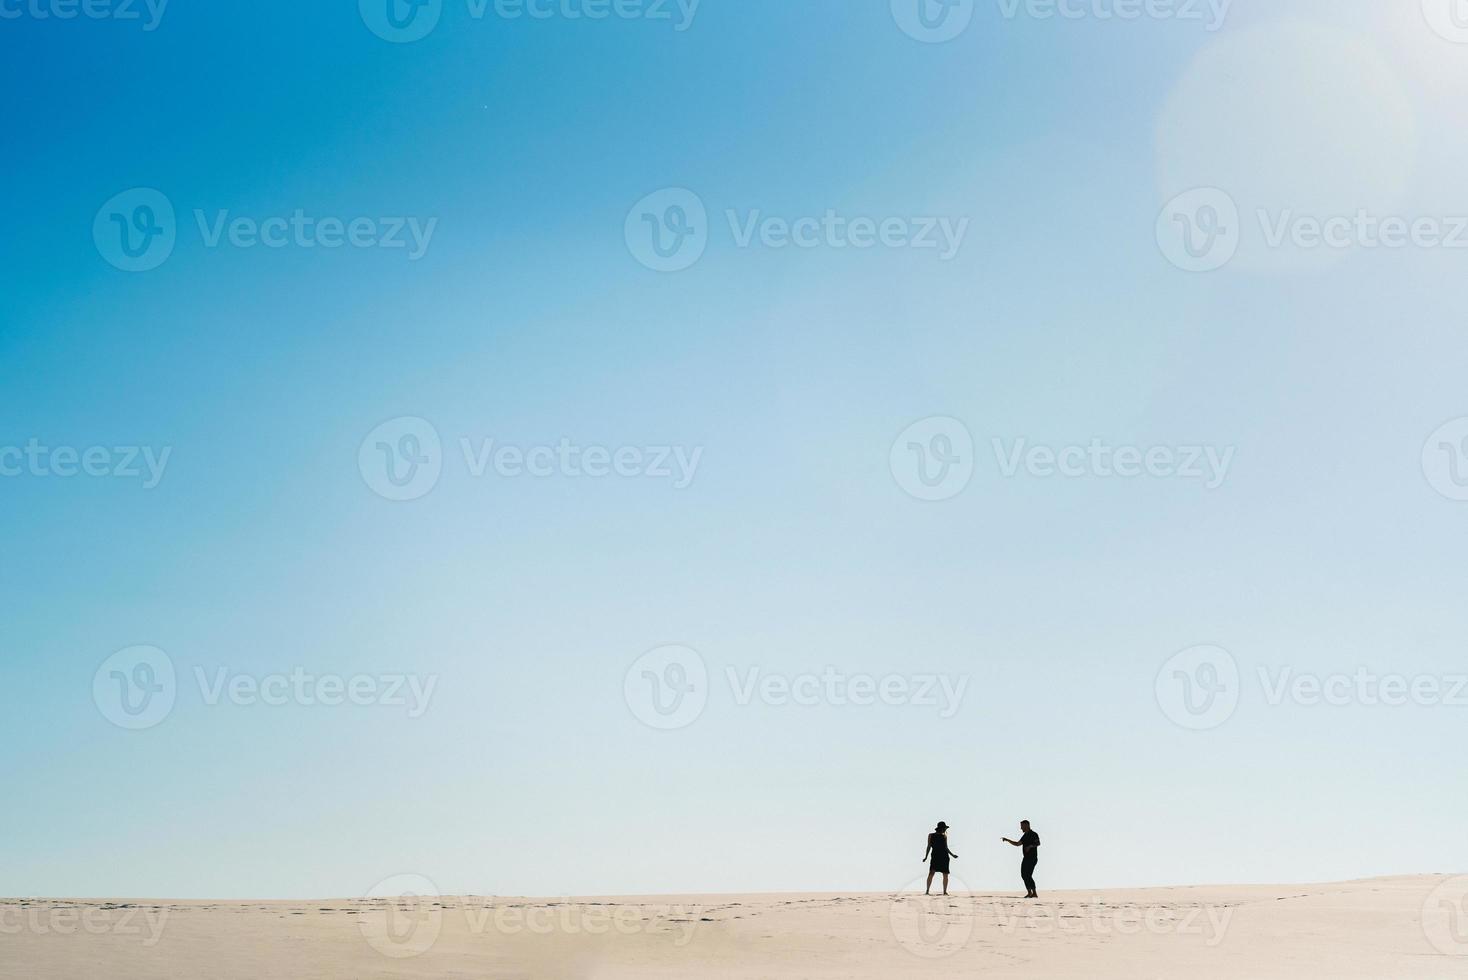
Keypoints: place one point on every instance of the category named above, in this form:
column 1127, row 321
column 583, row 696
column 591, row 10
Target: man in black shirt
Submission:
column 1030, row 841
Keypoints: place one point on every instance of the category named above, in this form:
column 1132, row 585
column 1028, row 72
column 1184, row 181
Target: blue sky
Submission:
column 267, row 547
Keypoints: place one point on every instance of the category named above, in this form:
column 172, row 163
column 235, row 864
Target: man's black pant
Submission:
column 1027, row 871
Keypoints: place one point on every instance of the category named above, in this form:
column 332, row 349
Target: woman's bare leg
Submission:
column 929, row 888
column 945, row 883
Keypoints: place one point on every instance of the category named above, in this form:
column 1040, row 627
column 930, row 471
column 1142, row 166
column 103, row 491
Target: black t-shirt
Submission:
column 1029, row 842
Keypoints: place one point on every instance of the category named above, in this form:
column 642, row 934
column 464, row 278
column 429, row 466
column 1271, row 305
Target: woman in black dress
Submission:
column 938, row 847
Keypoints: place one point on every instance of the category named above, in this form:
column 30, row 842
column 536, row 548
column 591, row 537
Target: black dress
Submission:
column 939, row 861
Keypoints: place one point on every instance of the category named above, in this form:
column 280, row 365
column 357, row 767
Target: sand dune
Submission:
column 1386, row 927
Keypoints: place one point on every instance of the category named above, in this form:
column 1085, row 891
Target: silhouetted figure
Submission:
column 938, row 847
column 1030, row 841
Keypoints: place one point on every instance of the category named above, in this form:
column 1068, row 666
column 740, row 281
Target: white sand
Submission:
column 1388, row 927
